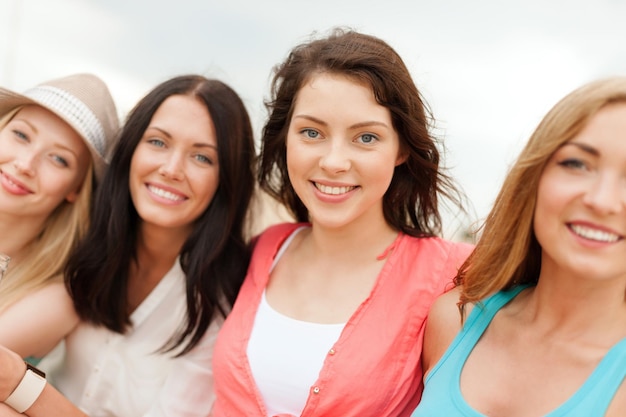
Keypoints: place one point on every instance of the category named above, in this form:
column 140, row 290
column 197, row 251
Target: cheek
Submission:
column 292, row 153
column 141, row 164
column 205, row 186
column 80, row 175
column 295, row 159
column 134, row 181
column 135, row 163
column 7, row 149
column 382, row 169
column 549, row 208
column 552, row 195
column 59, row 187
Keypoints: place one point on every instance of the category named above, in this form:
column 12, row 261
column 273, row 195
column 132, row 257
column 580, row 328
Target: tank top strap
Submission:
column 596, row 394
column 484, row 311
column 477, row 321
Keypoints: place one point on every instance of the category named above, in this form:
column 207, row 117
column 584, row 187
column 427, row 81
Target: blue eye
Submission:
column 20, row 135
column 367, row 138
column 203, row 159
column 60, row 160
column 310, row 133
column 156, row 142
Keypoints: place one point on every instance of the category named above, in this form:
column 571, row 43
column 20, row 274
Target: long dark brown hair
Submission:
column 215, row 255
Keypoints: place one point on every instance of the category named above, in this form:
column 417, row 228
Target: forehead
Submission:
column 185, row 117
column 317, row 77
column 605, row 130
column 337, row 94
column 34, row 111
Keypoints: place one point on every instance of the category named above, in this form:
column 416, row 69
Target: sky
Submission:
column 489, row 69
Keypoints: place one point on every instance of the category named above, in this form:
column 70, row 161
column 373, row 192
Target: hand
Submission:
column 12, row 369
column 6, row 411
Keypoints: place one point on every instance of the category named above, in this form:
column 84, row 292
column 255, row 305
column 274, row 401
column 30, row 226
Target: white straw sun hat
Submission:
column 84, row 102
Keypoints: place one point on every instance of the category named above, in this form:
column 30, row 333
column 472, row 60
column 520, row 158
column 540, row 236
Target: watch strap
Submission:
column 28, row 390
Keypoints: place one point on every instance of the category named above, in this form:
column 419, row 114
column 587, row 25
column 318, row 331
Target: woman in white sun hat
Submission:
column 159, row 267
column 54, row 143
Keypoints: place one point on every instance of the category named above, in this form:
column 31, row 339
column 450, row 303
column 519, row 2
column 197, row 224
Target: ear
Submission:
column 73, row 196
column 402, row 157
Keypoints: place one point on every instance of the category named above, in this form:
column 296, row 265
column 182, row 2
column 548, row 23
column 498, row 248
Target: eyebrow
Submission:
column 195, row 145
column 354, row 126
column 32, row 126
column 583, row 147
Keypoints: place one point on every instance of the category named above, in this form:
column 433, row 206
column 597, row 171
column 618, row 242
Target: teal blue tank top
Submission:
column 442, row 392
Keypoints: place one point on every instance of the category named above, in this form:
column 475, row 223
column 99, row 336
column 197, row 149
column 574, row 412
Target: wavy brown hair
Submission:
column 508, row 253
column 411, row 204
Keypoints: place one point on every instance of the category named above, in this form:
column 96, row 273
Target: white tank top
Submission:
column 286, row 355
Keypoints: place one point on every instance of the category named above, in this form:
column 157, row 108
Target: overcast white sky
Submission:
column 490, row 69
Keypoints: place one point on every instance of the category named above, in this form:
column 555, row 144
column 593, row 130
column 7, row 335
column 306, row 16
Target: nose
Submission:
column 25, row 163
column 606, row 195
column 336, row 156
column 172, row 167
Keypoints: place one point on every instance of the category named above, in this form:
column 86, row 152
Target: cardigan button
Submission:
column 316, row 390
column 331, row 352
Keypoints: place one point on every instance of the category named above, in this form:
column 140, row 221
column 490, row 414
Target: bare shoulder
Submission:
column 65, row 306
column 29, row 332
column 54, row 295
column 442, row 325
column 55, row 289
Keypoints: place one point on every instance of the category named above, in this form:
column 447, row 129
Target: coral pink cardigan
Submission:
column 374, row 369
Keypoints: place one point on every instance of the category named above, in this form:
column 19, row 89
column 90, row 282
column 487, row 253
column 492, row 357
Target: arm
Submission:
column 442, row 325
column 49, row 404
column 28, row 332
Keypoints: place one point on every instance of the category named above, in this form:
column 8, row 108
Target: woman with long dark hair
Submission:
column 163, row 260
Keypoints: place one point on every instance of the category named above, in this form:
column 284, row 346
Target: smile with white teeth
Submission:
column 333, row 190
column 594, row 234
column 165, row 194
column 8, row 179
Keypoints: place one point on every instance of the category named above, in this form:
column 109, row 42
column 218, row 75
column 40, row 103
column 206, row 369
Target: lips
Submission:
column 168, row 195
column 326, row 189
column 13, row 185
column 594, row 234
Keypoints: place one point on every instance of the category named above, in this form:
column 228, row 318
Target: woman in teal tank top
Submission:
column 542, row 300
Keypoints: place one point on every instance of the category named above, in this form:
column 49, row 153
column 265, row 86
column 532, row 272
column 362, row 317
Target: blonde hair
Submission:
column 508, row 253
column 47, row 255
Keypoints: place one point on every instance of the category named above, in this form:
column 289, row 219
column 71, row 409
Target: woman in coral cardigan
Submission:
column 332, row 310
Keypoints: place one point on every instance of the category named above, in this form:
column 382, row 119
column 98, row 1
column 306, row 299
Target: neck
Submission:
column 584, row 308
column 352, row 243
column 158, row 246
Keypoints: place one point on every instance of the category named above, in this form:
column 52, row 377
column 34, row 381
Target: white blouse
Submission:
column 107, row 374
column 286, row 355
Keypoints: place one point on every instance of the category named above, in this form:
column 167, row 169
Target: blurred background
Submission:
column 489, row 69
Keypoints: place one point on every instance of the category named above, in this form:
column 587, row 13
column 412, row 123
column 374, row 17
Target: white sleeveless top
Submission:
column 286, row 355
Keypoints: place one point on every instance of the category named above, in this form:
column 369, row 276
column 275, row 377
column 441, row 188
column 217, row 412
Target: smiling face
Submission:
column 580, row 217
column 43, row 162
column 341, row 151
column 174, row 170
